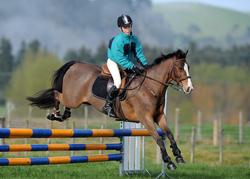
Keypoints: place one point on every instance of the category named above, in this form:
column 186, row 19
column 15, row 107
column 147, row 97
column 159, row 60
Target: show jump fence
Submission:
column 130, row 156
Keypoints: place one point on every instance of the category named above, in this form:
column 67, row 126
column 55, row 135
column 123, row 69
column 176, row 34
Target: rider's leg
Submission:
column 114, row 70
column 113, row 92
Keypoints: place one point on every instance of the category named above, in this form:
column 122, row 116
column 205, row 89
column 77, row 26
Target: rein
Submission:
column 173, row 85
column 130, row 80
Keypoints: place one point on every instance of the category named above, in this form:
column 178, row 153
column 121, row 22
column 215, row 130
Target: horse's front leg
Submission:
column 162, row 122
column 149, row 124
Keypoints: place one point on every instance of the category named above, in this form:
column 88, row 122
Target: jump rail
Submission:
column 59, row 160
column 66, row 133
column 130, row 156
column 58, row 147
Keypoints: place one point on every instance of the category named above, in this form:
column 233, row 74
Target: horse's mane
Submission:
column 179, row 54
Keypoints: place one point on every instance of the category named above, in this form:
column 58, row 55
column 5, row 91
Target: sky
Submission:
column 239, row 5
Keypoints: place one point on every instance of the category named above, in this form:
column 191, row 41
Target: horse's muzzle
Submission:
column 188, row 90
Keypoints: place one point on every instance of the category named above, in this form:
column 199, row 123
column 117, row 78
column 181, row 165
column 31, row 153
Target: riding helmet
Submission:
column 124, row 20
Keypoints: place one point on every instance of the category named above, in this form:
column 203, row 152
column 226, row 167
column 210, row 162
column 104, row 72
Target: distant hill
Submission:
column 205, row 22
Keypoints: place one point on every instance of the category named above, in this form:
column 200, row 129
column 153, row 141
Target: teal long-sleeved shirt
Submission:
column 126, row 59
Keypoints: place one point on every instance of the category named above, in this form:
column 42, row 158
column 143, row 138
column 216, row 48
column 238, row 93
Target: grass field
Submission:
column 236, row 164
column 110, row 170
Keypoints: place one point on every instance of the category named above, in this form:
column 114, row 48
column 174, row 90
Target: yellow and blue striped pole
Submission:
column 58, row 147
column 59, row 160
column 66, row 133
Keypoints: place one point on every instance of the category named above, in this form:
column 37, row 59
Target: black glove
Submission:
column 137, row 69
column 141, row 67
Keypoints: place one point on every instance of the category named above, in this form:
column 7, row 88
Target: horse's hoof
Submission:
column 52, row 117
column 66, row 115
column 59, row 119
column 171, row 166
column 179, row 160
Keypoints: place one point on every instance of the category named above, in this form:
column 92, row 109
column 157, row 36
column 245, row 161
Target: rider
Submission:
column 125, row 52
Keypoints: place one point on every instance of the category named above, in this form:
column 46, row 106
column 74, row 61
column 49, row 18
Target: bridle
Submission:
column 174, row 84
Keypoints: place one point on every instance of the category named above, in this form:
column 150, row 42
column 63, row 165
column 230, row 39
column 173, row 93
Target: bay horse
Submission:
column 72, row 86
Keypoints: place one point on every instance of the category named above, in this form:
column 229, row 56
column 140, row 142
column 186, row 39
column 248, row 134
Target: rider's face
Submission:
column 127, row 29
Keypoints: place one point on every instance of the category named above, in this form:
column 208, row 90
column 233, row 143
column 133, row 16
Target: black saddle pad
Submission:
column 99, row 88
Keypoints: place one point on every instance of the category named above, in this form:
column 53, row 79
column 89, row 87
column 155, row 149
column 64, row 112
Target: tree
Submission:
column 34, row 46
column 6, row 57
column 32, row 75
column 101, row 54
column 21, row 53
column 70, row 55
column 85, row 54
column 6, row 62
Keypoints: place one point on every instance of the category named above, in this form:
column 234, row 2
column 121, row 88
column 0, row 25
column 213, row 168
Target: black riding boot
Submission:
column 108, row 108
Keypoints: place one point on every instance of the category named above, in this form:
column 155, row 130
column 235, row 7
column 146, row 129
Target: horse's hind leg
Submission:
column 66, row 113
column 55, row 115
column 149, row 124
column 162, row 122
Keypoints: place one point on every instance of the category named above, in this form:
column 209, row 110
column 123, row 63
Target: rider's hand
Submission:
column 137, row 70
column 141, row 68
column 145, row 66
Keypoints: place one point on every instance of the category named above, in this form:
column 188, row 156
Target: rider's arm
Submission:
column 119, row 57
column 139, row 52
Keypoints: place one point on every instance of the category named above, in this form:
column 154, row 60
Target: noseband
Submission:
column 182, row 79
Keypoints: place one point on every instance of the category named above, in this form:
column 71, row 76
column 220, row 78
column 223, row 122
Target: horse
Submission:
column 144, row 102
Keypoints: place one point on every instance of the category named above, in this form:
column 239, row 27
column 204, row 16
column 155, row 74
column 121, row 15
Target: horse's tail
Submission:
column 46, row 99
column 43, row 99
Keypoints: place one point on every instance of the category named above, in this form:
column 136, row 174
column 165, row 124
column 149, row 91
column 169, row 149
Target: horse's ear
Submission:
column 186, row 53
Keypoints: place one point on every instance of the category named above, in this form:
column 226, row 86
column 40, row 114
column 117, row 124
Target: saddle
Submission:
column 104, row 82
column 105, row 72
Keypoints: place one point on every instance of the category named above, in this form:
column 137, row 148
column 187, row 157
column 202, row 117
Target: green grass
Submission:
column 236, row 163
column 110, row 170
